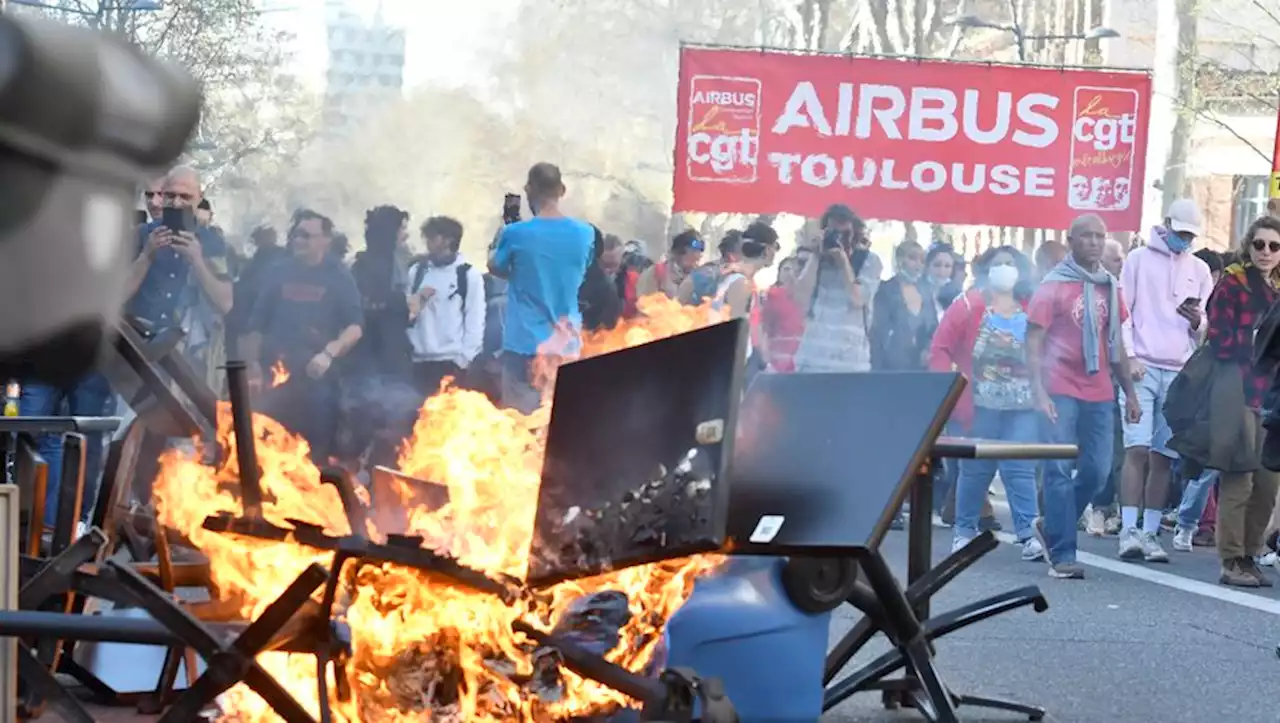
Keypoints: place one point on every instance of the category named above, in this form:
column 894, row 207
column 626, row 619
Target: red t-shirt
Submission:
column 783, row 322
column 1058, row 308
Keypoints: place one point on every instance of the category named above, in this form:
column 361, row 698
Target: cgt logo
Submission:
column 723, row 139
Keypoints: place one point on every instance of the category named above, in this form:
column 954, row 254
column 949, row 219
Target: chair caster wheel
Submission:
column 891, row 699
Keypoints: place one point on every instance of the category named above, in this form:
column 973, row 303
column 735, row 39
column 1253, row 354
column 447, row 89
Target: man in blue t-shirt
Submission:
column 544, row 261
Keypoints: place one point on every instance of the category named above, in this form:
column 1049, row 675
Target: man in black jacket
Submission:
column 598, row 296
column 267, row 252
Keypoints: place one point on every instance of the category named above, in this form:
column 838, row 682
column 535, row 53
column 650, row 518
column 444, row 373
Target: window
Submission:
column 1249, row 202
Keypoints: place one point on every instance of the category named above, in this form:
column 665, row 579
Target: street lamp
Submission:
column 1019, row 36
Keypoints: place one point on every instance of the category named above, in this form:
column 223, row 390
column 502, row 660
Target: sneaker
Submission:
column 1183, row 538
column 1032, row 550
column 1095, row 522
column 1250, row 566
column 939, row 522
column 1112, row 526
column 1169, row 520
column 1130, row 544
column 1271, row 559
column 899, row 522
column 958, row 542
column 1037, row 529
column 1204, row 538
column 1151, row 549
column 1066, row 571
column 1236, row 575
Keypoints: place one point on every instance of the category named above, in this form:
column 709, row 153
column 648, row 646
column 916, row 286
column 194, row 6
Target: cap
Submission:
column 1184, row 216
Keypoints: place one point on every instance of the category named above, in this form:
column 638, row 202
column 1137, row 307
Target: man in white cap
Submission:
column 1165, row 288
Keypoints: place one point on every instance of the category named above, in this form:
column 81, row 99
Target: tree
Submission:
column 251, row 105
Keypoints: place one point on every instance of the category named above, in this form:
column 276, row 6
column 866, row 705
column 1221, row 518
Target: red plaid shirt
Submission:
column 1238, row 303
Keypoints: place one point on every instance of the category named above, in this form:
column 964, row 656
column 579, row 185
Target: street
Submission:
column 1128, row 643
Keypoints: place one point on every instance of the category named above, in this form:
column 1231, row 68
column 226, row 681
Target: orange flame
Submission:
column 279, row 375
column 403, row 622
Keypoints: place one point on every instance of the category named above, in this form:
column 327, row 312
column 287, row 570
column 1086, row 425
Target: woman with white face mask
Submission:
column 983, row 336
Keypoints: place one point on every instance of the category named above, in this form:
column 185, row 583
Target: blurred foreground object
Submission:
column 83, row 117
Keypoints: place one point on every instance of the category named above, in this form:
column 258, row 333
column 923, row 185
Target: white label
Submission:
column 767, row 529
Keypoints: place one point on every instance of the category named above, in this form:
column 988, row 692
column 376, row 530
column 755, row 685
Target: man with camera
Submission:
column 835, row 289
column 180, row 277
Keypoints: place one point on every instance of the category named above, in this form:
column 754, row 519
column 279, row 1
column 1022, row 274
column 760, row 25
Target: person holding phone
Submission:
column 180, row 277
column 544, row 261
column 1165, row 286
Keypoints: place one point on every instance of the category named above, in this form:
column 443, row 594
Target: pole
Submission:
column 1275, row 159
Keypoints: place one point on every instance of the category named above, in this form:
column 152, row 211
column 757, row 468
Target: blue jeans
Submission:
column 1018, row 476
column 518, row 392
column 1194, row 498
column 90, row 397
column 1091, row 426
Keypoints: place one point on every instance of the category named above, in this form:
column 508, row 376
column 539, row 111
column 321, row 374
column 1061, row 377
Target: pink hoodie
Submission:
column 1155, row 281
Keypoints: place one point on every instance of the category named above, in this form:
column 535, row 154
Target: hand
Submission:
column 1132, row 410
column 254, row 372
column 319, row 364
column 186, row 243
column 1191, row 312
column 415, row 306
column 425, row 294
column 1044, row 403
column 1137, row 370
column 159, row 238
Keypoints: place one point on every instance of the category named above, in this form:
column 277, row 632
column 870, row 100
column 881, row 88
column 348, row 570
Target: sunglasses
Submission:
column 1260, row 245
column 698, row 245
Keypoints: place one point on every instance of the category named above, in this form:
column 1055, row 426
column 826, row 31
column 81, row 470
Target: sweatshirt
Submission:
column 441, row 333
column 1155, row 281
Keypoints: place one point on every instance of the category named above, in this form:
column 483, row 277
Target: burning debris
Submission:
column 673, row 509
column 422, row 648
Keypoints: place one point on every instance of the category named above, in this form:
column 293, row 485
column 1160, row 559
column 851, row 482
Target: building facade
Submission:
column 365, row 68
column 1233, row 113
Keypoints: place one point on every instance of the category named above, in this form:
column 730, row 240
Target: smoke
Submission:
column 588, row 85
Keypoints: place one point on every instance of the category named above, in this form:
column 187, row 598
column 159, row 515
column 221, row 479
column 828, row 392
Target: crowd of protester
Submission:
column 1156, row 361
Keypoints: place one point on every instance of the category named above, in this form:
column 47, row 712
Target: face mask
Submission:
column 1176, row 243
column 909, row 276
column 1003, row 277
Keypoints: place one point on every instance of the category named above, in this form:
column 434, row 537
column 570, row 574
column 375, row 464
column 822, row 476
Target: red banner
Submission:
column 943, row 142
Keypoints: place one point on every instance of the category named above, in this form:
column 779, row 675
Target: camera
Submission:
column 834, row 238
column 83, row 116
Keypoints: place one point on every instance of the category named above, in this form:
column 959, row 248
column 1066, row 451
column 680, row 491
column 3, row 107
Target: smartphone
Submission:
column 1191, row 301
column 178, row 219
column 142, row 218
column 511, row 208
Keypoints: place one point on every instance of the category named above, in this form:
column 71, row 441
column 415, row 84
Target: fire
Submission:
column 279, row 375
column 403, row 622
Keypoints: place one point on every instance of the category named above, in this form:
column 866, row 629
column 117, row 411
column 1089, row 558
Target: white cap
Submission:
column 1184, row 216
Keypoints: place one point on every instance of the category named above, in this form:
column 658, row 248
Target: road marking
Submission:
column 1169, row 580
column 1139, row 572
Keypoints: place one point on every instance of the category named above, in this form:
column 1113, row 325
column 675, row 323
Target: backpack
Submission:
column 464, row 278
column 706, row 282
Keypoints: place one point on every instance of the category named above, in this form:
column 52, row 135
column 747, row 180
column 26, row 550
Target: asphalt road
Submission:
column 1129, row 644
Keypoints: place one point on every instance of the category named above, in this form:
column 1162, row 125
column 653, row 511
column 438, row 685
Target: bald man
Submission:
column 1113, row 257
column 1074, row 353
column 180, row 276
